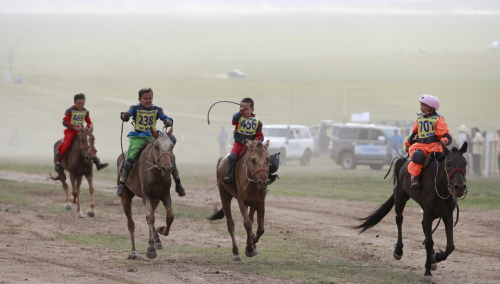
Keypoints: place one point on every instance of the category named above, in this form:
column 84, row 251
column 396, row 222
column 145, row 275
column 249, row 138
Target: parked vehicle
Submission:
column 235, row 73
column 361, row 144
column 292, row 141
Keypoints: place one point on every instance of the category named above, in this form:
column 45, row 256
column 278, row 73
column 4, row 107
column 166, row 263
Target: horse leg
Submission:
column 127, row 209
column 157, row 243
column 75, row 183
column 167, row 203
column 250, row 249
column 150, row 219
column 400, row 199
column 429, row 247
column 260, row 225
column 226, row 206
column 450, row 246
column 62, row 178
column 90, row 180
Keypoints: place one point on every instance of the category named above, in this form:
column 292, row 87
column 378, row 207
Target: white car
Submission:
column 235, row 73
column 292, row 141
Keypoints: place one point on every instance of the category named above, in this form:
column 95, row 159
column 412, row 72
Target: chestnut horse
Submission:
column 78, row 162
column 441, row 184
column 150, row 179
column 249, row 188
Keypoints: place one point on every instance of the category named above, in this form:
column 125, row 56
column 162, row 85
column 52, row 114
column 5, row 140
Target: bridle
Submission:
column 448, row 179
column 88, row 150
column 253, row 173
column 157, row 163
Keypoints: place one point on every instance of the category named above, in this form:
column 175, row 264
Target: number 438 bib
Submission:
column 145, row 119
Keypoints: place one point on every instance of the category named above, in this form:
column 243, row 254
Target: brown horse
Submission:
column 150, row 179
column 249, row 188
column 441, row 184
column 78, row 162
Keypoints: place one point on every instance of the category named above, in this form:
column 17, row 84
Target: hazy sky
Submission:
column 478, row 7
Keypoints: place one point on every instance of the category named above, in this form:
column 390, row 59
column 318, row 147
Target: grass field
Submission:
column 298, row 70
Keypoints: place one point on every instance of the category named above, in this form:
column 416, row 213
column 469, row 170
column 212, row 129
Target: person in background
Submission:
column 477, row 150
column 463, row 137
column 396, row 142
column 222, row 141
column 497, row 147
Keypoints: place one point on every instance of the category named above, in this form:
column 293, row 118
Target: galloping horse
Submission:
column 441, row 184
column 249, row 188
column 150, row 179
column 78, row 162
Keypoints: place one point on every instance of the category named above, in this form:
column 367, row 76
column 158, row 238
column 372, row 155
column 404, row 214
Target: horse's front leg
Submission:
column 157, row 242
column 429, row 247
column 75, row 183
column 62, row 178
column 150, row 219
column 450, row 246
column 250, row 249
column 167, row 203
column 90, row 180
column 260, row 225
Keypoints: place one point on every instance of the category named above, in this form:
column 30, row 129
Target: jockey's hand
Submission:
column 445, row 141
column 77, row 128
column 125, row 115
column 167, row 123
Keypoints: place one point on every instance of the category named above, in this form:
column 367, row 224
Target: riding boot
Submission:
column 98, row 164
column 414, row 182
column 178, row 186
column 127, row 166
column 58, row 159
column 228, row 179
column 272, row 178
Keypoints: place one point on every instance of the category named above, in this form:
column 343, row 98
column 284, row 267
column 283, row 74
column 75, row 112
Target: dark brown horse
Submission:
column 441, row 184
column 150, row 179
column 249, row 188
column 78, row 162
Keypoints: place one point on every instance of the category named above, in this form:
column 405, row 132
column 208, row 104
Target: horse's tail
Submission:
column 376, row 216
column 216, row 216
column 53, row 178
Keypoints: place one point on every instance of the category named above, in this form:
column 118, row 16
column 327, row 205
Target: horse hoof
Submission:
column 68, row 207
column 151, row 254
column 158, row 246
column 396, row 256
column 428, row 278
column 160, row 230
column 90, row 213
column 236, row 257
column 80, row 214
column 252, row 253
column 133, row 255
column 433, row 258
column 434, row 266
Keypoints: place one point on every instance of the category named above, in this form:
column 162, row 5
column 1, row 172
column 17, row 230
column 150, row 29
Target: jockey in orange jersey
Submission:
column 73, row 120
column 428, row 131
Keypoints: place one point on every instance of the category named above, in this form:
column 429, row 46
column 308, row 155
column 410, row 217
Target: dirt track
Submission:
column 31, row 253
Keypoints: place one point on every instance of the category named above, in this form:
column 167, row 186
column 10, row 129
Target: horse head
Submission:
column 86, row 139
column 257, row 162
column 455, row 166
column 162, row 152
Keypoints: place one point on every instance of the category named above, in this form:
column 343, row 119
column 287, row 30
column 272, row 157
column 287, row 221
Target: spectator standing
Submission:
column 477, row 150
column 463, row 136
column 497, row 147
column 396, row 142
column 222, row 141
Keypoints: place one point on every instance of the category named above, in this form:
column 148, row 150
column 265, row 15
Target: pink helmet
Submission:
column 431, row 101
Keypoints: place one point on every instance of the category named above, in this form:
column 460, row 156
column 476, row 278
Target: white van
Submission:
column 292, row 141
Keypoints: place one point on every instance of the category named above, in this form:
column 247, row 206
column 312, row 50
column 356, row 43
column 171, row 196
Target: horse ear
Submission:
column 266, row 144
column 463, row 149
column 153, row 131
column 445, row 149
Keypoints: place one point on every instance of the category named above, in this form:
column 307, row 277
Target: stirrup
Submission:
column 119, row 190
column 227, row 180
column 57, row 167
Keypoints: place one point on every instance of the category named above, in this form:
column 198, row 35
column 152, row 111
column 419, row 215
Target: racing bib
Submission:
column 248, row 126
column 426, row 126
column 78, row 117
column 145, row 119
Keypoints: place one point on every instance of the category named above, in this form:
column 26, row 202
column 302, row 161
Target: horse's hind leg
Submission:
column 226, row 206
column 399, row 205
column 91, row 212
column 127, row 209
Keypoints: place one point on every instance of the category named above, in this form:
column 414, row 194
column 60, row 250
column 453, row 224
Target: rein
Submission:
column 248, row 166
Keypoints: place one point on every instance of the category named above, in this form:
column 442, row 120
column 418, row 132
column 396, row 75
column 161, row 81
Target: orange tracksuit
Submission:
column 428, row 131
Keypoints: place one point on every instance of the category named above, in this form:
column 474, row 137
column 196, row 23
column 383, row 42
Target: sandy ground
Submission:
column 31, row 253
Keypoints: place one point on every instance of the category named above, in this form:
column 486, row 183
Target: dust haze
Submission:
column 300, row 68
